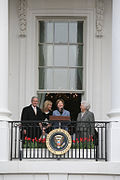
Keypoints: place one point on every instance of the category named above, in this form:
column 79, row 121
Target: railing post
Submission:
column 11, row 144
column 96, row 152
column 105, row 141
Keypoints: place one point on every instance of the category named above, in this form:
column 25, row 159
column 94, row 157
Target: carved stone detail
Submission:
column 99, row 18
column 22, row 14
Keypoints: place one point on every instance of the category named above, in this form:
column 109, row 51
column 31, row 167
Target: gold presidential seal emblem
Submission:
column 58, row 141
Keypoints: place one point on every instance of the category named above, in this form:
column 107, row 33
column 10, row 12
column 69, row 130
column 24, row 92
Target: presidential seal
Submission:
column 58, row 141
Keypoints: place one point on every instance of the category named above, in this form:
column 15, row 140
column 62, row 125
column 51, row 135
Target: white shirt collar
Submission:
column 34, row 107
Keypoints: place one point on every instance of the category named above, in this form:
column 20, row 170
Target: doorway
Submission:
column 72, row 102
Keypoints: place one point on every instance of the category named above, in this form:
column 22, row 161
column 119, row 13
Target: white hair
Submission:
column 34, row 98
column 85, row 104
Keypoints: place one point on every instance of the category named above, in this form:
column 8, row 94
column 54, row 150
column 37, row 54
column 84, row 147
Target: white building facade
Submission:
column 19, row 77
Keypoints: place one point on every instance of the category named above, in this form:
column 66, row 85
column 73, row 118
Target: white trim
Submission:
column 31, row 62
column 76, row 167
column 60, row 91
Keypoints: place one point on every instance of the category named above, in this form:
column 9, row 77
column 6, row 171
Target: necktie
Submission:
column 35, row 110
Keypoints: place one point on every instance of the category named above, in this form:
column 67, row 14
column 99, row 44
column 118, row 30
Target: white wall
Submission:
column 22, row 62
column 59, row 170
column 56, row 4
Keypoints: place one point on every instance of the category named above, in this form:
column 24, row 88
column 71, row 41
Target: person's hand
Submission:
column 40, row 124
column 24, row 131
column 48, row 126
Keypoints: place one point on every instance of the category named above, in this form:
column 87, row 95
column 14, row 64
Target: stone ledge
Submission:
column 59, row 167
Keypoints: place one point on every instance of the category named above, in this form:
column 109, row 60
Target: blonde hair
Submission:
column 45, row 105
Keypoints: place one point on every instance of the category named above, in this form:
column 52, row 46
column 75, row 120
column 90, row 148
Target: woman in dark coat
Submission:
column 46, row 112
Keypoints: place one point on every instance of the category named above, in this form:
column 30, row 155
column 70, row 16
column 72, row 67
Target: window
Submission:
column 61, row 65
column 60, row 55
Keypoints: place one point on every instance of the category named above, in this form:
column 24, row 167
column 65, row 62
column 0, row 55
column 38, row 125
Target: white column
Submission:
column 4, row 113
column 114, row 115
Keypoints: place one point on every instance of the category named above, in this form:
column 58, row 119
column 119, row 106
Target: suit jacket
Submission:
column 88, row 128
column 28, row 114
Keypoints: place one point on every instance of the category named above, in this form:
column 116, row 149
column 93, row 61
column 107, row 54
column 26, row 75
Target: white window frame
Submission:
column 63, row 19
column 32, row 57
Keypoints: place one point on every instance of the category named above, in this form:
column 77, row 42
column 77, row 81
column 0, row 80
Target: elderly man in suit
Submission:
column 30, row 114
column 85, row 121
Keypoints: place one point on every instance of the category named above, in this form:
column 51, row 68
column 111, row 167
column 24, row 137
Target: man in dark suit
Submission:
column 30, row 114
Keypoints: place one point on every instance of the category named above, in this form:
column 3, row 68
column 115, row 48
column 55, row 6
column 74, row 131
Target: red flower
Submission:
column 29, row 139
column 43, row 140
column 25, row 137
column 88, row 139
column 39, row 140
column 36, row 139
column 33, row 140
column 81, row 139
column 73, row 141
column 91, row 138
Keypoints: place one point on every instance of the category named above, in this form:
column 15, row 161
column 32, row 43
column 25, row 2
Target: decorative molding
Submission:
column 99, row 18
column 22, row 14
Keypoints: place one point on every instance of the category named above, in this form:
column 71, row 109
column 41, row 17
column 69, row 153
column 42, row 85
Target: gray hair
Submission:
column 85, row 104
column 33, row 98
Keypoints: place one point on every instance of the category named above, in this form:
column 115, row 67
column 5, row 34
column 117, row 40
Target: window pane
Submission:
column 61, row 55
column 45, row 78
column 41, row 78
column 80, row 32
column 46, row 32
column 41, row 97
column 76, row 32
column 61, row 32
column 75, row 55
column 73, row 32
column 45, row 55
column 61, row 79
column 76, row 76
